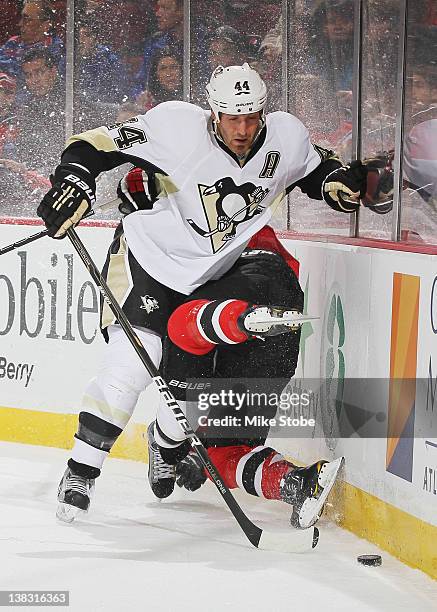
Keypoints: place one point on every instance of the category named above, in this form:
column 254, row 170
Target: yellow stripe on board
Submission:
column 402, row 535
column 52, row 429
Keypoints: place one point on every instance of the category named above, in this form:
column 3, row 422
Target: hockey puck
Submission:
column 372, row 560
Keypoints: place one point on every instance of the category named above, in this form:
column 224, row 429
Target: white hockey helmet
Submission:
column 236, row 90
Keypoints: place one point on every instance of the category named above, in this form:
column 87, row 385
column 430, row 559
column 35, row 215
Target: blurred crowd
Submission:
column 129, row 56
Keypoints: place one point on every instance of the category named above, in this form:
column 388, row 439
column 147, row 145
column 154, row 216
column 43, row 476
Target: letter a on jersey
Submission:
column 226, row 205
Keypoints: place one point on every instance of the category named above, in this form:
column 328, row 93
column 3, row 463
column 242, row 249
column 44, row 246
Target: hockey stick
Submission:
column 23, row 242
column 294, row 541
column 42, row 233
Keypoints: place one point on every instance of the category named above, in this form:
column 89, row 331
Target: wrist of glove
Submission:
column 137, row 191
column 343, row 188
column 190, row 472
column 380, row 182
column 70, row 198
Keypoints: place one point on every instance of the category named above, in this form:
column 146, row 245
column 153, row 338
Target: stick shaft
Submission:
column 23, row 242
column 42, row 233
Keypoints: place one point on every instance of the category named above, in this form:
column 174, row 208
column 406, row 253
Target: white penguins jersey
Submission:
column 209, row 205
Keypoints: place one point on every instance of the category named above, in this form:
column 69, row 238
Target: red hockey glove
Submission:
column 137, row 191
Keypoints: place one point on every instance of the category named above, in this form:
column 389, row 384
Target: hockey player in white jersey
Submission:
column 218, row 176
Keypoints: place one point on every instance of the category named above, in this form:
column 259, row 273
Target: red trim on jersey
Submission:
column 267, row 239
column 228, row 320
column 183, row 330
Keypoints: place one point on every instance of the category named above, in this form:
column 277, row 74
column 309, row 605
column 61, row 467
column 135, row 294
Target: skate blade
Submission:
column 312, row 507
column 67, row 513
column 261, row 320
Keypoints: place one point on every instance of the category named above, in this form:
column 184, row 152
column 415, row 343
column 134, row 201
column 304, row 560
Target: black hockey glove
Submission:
column 190, row 472
column 70, row 198
column 380, row 182
column 137, row 191
column 343, row 188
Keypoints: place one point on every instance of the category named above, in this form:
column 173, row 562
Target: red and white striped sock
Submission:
column 200, row 325
column 257, row 471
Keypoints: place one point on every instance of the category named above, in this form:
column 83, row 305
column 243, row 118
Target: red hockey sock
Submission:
column 256, row 470
column 199, row 325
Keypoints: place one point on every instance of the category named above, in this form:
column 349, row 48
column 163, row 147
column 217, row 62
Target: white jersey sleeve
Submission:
column 151, row 137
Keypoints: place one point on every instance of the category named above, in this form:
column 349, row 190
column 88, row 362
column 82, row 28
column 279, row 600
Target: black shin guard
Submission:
column 97, row 432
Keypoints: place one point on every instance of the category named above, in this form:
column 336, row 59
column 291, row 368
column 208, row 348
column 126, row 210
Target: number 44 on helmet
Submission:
column 236, row 90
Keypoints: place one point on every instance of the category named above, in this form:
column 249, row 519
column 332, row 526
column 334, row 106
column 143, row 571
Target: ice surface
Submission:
column 185, row 554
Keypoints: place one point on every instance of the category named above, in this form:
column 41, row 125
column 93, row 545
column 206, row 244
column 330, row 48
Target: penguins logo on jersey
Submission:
column 149, row 303
column 226, row 205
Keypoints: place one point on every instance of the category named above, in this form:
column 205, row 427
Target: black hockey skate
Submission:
column 74, row 495
column 161, row 475
column 307, row 488
column 263, row 321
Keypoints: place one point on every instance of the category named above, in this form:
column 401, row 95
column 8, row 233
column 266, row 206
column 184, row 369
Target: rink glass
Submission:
column 32, row 122
column 122, row 57
column 419, row 171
